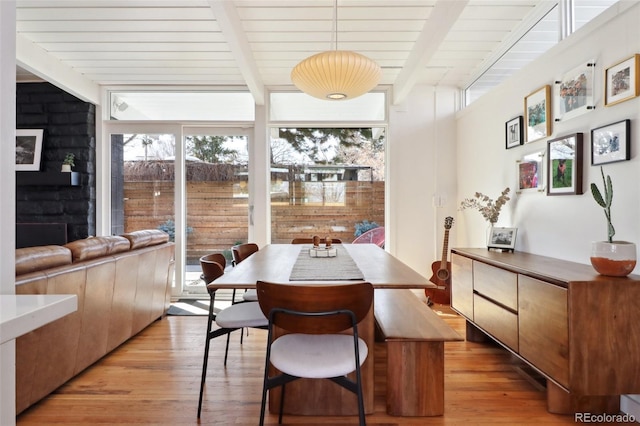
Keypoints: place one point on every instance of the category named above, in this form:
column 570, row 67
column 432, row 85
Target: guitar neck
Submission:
column 445, row 249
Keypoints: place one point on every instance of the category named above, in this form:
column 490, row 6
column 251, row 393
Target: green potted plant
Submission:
column 612, row 258
column 68, row 162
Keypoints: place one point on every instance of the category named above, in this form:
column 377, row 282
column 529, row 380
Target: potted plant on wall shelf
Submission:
column 68, row 162
column 612, row 258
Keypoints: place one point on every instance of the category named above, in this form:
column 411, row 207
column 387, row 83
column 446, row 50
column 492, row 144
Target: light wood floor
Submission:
column 154, row 380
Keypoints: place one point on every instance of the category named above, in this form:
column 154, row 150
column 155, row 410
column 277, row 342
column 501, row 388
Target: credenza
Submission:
column 579, row 329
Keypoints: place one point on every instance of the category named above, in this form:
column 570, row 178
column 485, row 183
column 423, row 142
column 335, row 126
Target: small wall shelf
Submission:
column 48, row 178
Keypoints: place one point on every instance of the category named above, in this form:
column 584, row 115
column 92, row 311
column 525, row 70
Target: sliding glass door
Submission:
column 191, row 182
column 217, row 196
column 142, row 182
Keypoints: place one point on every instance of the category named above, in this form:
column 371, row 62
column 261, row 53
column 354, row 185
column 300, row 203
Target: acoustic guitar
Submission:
column 441, row 272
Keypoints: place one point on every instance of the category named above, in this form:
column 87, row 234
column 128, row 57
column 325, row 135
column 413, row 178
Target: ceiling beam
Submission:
column 443, row 16
column 229, row 22
column 37, row 61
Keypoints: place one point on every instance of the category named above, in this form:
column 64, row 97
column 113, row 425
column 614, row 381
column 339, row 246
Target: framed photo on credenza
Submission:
column 502, row 238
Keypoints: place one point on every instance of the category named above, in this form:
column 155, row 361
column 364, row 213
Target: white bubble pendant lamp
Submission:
column 336, row 74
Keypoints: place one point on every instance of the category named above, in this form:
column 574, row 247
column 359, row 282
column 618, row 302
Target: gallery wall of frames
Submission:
column 558, row 168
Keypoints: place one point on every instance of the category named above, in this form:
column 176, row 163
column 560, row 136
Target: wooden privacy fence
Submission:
column 217, row 218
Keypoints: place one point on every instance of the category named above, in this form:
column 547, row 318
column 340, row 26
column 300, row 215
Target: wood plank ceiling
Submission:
column 256, row 43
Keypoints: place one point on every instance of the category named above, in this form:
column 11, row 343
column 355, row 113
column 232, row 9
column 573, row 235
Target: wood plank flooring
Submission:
column 154, row 380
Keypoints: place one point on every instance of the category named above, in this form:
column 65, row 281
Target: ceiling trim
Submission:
column 443, row 16
column 37, row 61
column 229, row 21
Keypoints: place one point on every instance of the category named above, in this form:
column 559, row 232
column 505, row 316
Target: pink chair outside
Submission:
column 372, row 236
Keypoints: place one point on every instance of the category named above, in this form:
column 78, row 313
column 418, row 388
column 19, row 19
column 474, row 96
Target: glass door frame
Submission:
column 179, row 130
column 204, row 130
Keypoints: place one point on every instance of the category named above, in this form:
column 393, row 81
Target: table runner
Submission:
column 338, row 268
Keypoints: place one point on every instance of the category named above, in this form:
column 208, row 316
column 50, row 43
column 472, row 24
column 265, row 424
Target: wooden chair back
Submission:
column 211, row 269
column 242, row 251
column 215, row 257
column 313, row 300
column 310, row 241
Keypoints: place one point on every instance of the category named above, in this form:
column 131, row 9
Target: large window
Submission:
column 326, row 178
column 298, row 107
column 326, row 182
column 156, row 105
column 212, row 184
column 548, row 27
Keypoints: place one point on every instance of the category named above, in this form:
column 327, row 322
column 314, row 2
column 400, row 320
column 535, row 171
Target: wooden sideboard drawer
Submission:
column 496, row 284
column 499, row 322
column 462, row 285
column 544, row 327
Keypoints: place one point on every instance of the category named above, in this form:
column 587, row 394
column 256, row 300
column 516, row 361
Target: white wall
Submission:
column 556, row 226
column 421, row 165
column 8, row 193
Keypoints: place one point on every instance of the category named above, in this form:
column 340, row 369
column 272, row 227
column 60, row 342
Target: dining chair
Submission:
column 218, row 258
column 235, row 317
column 206, row 262
column 310, row 241
column 241, row 252
column 314, row 317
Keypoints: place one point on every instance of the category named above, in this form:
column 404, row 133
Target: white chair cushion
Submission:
column 242, row 315
column 250, row 295
column 316, row 356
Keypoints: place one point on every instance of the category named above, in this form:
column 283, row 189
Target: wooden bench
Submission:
column 415, row 337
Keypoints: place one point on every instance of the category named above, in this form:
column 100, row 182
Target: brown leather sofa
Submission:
column 123, row 285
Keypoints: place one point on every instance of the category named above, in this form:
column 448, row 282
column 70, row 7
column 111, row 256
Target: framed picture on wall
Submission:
column 28, row 149
column 564, row 165
column 513, row 132
column 622, row 81
column 530, row 172
column 504, row 238
column 537, row 114
column 611, row 143
column 573, row 94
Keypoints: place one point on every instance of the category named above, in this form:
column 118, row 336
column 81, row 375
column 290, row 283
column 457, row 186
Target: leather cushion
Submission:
column 94, row 247
column 32, row 259
column 146, row 237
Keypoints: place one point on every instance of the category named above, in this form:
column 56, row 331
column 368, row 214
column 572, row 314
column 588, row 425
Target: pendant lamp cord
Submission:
column 335, row 25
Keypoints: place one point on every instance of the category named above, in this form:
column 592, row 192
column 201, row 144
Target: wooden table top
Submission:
column 274, row 263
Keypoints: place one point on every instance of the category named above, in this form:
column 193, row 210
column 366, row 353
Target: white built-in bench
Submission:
column 414, row 337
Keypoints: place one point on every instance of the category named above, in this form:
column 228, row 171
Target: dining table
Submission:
column 293, row 264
